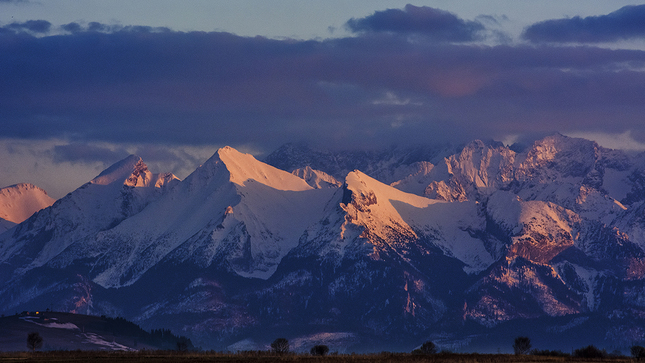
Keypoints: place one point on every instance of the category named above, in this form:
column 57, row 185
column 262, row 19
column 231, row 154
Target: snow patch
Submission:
column 91, row 338
column 55, row 325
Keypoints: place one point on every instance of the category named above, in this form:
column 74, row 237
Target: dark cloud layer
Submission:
column 625, row 23
column 83, row 153
column 434, row 23
column 43, row 27
column 155, row 86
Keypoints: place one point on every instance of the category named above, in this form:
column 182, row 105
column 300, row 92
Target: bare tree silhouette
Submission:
column 522, row 345
column 280, row 345
column 34, row 341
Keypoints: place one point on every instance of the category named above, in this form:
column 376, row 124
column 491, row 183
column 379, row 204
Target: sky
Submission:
column 84, row 84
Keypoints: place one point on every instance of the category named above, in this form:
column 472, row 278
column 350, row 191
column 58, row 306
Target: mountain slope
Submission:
column 225, row 212
column 5, row 225
column 66, row 332
column 118, row 193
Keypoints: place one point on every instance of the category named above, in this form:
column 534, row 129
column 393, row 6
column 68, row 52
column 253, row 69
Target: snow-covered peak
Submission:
column 388, row 214
column 370, row 203
column 243, row 167
column 18, row 202
column 316, row 178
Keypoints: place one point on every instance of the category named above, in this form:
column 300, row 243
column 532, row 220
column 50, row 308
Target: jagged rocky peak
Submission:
column 316, row 178
column 129, row 170
column 570, row 157
column 575, row 172
column 479, row 169
column 132, row 172
column 357, row 192
column 18, row 202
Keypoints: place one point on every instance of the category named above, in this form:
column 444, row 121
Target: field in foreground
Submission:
column 168, row 356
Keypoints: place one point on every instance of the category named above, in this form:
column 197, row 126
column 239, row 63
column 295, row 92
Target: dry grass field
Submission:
column 264, row 357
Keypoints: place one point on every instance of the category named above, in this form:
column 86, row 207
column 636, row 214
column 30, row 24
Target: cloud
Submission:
column 72, row 27
column 31, row 26
column 42, row 27
column 179, row 160
column 434, row 23
column 390, row 99
column 153, row 86
column 626, row 23
column 623, row 141
column 59, row 166
column 30, row 161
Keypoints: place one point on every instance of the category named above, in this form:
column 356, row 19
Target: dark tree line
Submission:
column 163, row 338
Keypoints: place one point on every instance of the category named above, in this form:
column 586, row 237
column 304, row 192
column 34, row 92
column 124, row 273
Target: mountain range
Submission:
column 466, row 246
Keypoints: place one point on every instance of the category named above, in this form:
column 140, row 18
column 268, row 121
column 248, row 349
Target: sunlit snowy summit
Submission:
column 457, row 246
column 18, row 202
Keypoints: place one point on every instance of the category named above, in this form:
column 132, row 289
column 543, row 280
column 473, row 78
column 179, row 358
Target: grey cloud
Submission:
column 84, row 153
column 33, row 26
column 96, row 27
column 72, row 27
column 625, row 23
column 434, row 23
column 43, row 27
column 158, row 158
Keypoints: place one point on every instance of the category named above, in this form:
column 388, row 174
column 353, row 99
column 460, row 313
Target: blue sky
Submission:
column 85, row 85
